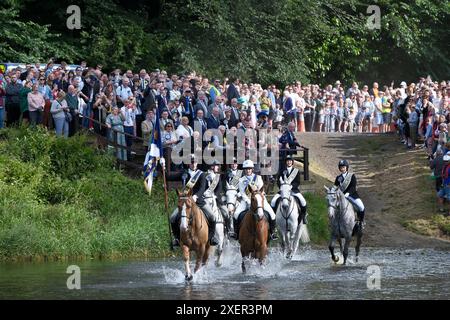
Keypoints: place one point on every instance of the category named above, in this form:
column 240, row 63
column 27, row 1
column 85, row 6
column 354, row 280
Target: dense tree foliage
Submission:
column 258, row 40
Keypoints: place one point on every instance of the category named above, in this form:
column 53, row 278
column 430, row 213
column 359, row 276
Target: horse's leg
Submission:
column 206, row 255
column 244, row 269
column 346, row 245
column 358, row 244
column 261, row 253
column 297, row 236
column 188, row 275
column 199, row 257
column 331, row 247
column 220, row 232
column 339, row 239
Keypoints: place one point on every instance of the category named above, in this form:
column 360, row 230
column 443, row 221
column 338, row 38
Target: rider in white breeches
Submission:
column 347, row 183
column 252, row 180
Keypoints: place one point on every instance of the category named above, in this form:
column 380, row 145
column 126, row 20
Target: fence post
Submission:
column 306, row 163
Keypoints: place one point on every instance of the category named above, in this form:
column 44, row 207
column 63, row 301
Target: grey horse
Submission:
column 343, row 223
column 287, row 219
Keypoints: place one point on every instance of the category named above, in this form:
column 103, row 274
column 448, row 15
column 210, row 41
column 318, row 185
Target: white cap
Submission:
column 248, row 164
column 403, row 84
column 446, row 157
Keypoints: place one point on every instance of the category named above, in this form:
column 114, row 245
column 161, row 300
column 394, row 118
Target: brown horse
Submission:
column 193, row 232
column 254, row 231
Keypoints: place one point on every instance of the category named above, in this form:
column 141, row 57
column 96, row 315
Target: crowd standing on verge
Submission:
column 66, row 100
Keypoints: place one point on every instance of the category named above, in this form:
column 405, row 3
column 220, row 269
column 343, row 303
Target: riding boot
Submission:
column 212, row 225
column 235, row 234
column 303, row 215
column 361, row 219
column 176, row 233
column 212, row 233
column 230, row 226
column 273, row 229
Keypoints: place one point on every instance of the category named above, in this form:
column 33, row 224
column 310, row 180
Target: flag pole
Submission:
column 166, row 200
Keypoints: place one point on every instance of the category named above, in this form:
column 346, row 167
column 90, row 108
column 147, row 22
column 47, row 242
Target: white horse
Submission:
column 343, row 223
column 232, row 198
column 210, row 199
column 287, row 219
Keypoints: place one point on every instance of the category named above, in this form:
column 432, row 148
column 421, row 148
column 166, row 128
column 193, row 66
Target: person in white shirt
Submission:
column 184, row 130
column 128, row 112
column 123, row 92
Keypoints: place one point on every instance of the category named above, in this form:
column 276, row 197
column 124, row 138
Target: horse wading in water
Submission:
column 254, row 230
column 288, row 221
column 193, row 232
column 342, row 222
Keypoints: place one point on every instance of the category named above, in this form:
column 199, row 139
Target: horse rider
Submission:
column 232, row 176
column 291, row 176
column 246, row 183
column 197, row 183
column 346, row 181
column 216, row 189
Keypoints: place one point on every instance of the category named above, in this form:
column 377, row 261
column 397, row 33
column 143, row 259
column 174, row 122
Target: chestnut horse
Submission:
column 254, row 231
column 193, row 232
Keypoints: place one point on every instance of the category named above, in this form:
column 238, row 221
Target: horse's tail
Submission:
column 304, row 234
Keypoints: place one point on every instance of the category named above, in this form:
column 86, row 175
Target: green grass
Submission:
column 317, row 218
column 61, row 199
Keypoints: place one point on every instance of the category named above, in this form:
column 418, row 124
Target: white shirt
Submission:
column 123, row 93
column 129, row 115
column 183, row 133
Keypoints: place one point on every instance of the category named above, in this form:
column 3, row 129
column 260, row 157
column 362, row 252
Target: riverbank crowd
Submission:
column 68, row 100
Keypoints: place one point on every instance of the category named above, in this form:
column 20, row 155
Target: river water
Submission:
column 404, row 274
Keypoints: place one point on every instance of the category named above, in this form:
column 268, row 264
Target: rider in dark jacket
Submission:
column 347, row 183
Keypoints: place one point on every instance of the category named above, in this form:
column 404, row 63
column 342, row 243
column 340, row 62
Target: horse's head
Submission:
column 231, row 197
column 257, row 204
column 285, row 194
column 184, row 204
column 332, row 200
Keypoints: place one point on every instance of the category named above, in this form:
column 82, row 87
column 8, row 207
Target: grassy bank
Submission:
column 61, row 199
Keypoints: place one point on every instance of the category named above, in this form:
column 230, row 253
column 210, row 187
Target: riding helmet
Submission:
column 289, row 157
column 248, row 164
column 343, row 163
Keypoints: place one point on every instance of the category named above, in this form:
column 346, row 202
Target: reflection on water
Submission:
column 405, row 274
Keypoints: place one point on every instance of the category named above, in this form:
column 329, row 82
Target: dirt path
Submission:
column 392, row 182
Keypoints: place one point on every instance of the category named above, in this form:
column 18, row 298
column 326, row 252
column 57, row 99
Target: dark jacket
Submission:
column 199, row 188
column 198, row 124
column 288, row 141
column 232, row 93
column 12, row 93
column 213, row 123
column 295, row 183
column 351, row 189
column 149, row 100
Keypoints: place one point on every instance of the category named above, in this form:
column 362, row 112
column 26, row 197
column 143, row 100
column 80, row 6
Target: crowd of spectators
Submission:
column 66, row 100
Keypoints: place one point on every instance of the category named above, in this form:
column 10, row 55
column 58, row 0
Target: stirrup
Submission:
column 175, row 243
column 274, row 235
column 305, row 219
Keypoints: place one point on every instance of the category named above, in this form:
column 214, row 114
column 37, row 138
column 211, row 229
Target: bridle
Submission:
column 191, row 216
column 255, row 210
column 231, row 203
column 289, row 199
column 337, row 207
